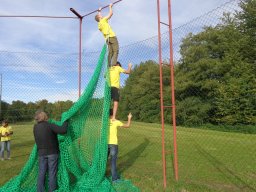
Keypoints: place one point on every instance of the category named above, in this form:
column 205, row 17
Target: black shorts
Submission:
column 115, row 94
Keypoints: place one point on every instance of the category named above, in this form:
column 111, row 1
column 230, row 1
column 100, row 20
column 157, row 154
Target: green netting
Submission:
column 83, row 150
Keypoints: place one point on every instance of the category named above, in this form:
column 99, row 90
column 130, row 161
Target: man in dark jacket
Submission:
column 45, row 134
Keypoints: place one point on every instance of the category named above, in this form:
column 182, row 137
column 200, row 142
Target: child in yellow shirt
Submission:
column 113, row 143
column 114, row 73
column 5, row 134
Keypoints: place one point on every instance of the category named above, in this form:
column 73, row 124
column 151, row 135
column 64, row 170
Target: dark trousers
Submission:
column 113, row 50
column 113, row 151
column 115, row 94
column 50, row 163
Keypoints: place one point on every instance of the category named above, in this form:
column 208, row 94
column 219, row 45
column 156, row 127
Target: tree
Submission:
column 4, row 110
column 30, row 110
column 141, row 93
column 16, row 111
column 215, row 72
column 59, row 107
column 246, row 23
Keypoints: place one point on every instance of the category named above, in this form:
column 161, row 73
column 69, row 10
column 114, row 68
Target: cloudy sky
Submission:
column 133, row 21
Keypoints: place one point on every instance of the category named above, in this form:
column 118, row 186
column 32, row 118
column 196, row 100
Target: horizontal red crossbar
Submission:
column 101, row 8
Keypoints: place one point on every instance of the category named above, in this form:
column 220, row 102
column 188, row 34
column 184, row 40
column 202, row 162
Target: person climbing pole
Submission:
column 114, row 73
column 109, row 35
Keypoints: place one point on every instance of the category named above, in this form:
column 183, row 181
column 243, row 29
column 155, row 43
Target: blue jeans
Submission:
column 113, row 151
column 50, row 163
column 7, row 145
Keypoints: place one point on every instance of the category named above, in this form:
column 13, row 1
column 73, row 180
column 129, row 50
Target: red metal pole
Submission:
column 80, row 50
column 161, row 93
column 173, row 94
column 33, row 16
column 101, row 8
column 80, row 57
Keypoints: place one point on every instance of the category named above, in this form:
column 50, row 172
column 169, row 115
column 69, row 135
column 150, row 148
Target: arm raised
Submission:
column 128, row 71
column 110, row 12
column 127, row 125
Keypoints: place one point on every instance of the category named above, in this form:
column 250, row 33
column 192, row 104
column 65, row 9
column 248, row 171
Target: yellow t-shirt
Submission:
column 105, row 28
column 114, row 73
column 3, row 131
column 112, row 138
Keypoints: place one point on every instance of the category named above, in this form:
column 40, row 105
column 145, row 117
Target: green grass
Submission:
column 208, row 160
column 21, row 146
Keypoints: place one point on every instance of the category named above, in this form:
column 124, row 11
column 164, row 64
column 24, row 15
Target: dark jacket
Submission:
column 45, row 134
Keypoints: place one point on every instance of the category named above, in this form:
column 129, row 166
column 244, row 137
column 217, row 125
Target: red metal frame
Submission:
column 172, row 92
column 80, row 55
column 80, row 36
column 33, row 16
column 161, row 92
column 101, row 8
column 80, row 50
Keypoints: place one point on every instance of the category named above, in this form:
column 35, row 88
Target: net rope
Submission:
column 83, row 150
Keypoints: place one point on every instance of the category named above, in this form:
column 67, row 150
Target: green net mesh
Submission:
column 83, row 150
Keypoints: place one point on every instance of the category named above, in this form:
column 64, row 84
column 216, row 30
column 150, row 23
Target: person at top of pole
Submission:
column 109, row 35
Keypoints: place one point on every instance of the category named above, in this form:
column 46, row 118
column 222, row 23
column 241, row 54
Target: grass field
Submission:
column 208, row 160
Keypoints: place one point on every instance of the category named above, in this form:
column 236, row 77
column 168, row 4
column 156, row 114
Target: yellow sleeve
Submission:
column 10, row 129
column 120, row 124
column 105, row 19
column 121, row 70
column 101, row 23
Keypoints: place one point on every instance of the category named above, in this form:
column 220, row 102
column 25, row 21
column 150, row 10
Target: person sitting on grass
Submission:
column 113, row 143
column 45, row 134
column 5, row 133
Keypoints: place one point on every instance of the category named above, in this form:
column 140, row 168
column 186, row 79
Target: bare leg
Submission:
column 115, row 110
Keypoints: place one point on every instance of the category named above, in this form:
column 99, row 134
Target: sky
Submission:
column 128, row 15
column 132, row 21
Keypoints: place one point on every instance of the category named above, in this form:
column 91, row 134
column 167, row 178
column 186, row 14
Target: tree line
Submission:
column 20, row 111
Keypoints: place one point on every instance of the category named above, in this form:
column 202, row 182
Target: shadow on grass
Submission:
column 228, row 173
column 128, row 159
column 23, row 144
column 23, row 155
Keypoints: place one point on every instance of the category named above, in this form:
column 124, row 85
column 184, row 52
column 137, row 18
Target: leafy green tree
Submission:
column 16, row 111
column 4, row 110
column 141, row 93
column 215, row 71
column 235, row 100
column 44, row 105
column 30, row 110
column 246, row 22
column 59, row 107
